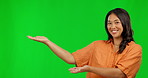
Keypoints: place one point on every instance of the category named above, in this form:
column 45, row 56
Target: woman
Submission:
column 117, row 57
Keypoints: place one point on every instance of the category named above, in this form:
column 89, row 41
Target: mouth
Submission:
column 114, row 31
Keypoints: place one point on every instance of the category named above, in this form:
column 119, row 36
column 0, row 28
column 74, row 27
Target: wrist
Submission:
column 87, row 68
column 47, row 42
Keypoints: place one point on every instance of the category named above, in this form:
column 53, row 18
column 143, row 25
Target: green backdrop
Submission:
column 71, row 24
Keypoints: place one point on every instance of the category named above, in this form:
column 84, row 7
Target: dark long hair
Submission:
column 127, row 33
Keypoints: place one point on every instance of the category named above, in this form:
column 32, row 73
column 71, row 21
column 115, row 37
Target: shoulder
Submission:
column 133, row 45
column 101, row 42
column 133, row 49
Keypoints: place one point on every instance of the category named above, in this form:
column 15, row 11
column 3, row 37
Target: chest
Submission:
column 104, row 57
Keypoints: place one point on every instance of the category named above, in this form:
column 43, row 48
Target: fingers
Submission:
column 85, row 68
column 30, row 37
column 72, row 69
column 75, row 70
column 39, row 39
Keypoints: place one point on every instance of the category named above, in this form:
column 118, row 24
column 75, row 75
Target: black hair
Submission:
column 127, row 34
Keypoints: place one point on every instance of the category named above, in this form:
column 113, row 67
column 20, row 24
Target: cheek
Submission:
column 108, row 28
column 121, row 28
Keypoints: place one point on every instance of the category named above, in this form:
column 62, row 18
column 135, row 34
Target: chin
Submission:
column 116, row 36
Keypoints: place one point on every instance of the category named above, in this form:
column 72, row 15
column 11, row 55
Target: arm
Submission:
column 106, row 72
column 63, row 54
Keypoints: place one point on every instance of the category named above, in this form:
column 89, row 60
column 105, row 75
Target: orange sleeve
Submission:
column 83, row 55
column 130, row 63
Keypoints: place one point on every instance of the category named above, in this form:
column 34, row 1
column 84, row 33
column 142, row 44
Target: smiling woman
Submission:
column 117, row 57
column 114, row 26
column 118, row 25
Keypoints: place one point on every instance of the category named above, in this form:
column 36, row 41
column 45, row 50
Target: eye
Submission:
column 117, row 22
column 109, row 23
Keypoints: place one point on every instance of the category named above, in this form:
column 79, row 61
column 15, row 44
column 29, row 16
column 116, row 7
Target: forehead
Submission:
column 113, row 17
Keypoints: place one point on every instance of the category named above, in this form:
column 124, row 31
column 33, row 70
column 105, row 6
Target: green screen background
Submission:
column 71, row 24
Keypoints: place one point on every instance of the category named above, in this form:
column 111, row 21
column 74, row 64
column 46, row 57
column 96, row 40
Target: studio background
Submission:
column 71, row 24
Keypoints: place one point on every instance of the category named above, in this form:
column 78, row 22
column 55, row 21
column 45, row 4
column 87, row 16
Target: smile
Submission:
column 114, row 31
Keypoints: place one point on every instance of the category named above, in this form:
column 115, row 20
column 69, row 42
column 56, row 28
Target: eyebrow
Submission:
column 114, row 20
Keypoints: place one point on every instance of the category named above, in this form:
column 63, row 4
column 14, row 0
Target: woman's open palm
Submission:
column 39, row 38
column 79, row 69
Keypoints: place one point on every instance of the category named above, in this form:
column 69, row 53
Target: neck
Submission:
column 117, row 41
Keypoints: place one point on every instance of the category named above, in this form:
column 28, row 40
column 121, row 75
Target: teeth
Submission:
column 114, row 31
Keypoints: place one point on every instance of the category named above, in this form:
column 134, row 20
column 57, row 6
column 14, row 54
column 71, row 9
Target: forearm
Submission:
column 63, row 54
column 107, row 72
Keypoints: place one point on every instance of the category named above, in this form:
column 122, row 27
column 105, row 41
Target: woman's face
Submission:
column 114, row 26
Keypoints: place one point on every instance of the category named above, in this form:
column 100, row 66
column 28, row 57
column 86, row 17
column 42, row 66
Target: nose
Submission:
column 113, row 26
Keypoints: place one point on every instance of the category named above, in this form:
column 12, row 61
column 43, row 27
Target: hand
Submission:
column 80, row 69
column 39, row 39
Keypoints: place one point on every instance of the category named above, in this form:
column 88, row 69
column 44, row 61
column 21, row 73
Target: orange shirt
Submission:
column 101, row 54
